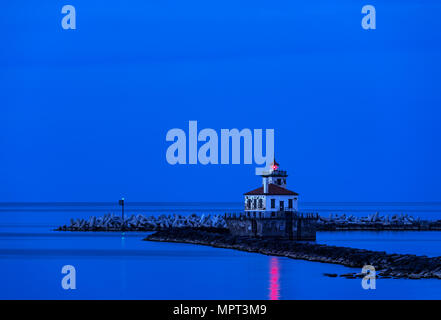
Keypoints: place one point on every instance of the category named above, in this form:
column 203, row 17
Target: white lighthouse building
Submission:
column 272, row 196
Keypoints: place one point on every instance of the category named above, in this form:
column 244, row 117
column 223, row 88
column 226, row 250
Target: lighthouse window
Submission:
column 279, row 181
column 249, row 204
column 273, row 203
column 290, row 203
column 260, row 203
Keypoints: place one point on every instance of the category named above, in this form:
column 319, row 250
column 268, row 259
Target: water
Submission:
column 122, row 266
column 406, row 242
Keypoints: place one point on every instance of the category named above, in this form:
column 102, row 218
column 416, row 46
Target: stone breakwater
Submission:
column 375, row 222
column 387, row 265
column 343, row 222
column 111, row 222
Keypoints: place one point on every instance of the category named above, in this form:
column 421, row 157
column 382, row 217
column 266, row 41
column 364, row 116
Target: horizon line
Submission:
column 196, row 203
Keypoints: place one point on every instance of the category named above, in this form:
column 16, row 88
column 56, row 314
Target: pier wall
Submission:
column 286, row 225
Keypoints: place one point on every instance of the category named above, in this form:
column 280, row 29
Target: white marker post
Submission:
column 121, row 203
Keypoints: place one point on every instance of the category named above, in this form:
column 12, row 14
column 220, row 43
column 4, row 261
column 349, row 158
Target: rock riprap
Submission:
column 386, row 265
column 335, row 222
column 111, row 222
column 375, row 222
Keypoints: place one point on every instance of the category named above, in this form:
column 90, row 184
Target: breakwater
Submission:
column 139, row 222
column 335, row 222
column 387, row 265
column 376, row 222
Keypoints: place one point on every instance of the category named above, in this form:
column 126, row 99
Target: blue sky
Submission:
column 85, row 112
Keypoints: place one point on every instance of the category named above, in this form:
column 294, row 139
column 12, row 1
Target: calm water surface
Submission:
column 122, row 266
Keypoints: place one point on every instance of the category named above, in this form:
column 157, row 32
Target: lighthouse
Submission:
column 271, row 211
column 272, row 196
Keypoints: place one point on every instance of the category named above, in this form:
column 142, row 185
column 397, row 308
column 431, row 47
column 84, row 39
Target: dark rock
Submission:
column 347, row 275
column 331, row 275
column 386, row 265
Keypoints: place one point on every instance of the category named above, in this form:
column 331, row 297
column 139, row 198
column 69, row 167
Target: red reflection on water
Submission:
column 274, row 285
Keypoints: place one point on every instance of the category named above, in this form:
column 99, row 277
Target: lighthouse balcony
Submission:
column 270, row 214
column 254, row 208
column 257, row 208
column 276, row 173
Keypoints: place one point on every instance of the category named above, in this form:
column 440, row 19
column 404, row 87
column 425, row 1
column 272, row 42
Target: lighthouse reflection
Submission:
column 274, row 281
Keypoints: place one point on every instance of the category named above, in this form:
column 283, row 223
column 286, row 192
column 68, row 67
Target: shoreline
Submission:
column 397, row 266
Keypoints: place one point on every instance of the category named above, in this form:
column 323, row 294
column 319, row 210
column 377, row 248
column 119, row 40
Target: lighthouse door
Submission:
column 282, row 206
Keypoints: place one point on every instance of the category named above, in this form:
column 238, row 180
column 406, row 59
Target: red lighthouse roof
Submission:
column 272, row 190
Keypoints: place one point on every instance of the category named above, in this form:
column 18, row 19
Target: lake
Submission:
column 122, row 266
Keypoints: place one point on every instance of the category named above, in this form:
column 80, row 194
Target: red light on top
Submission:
column 274, row 165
